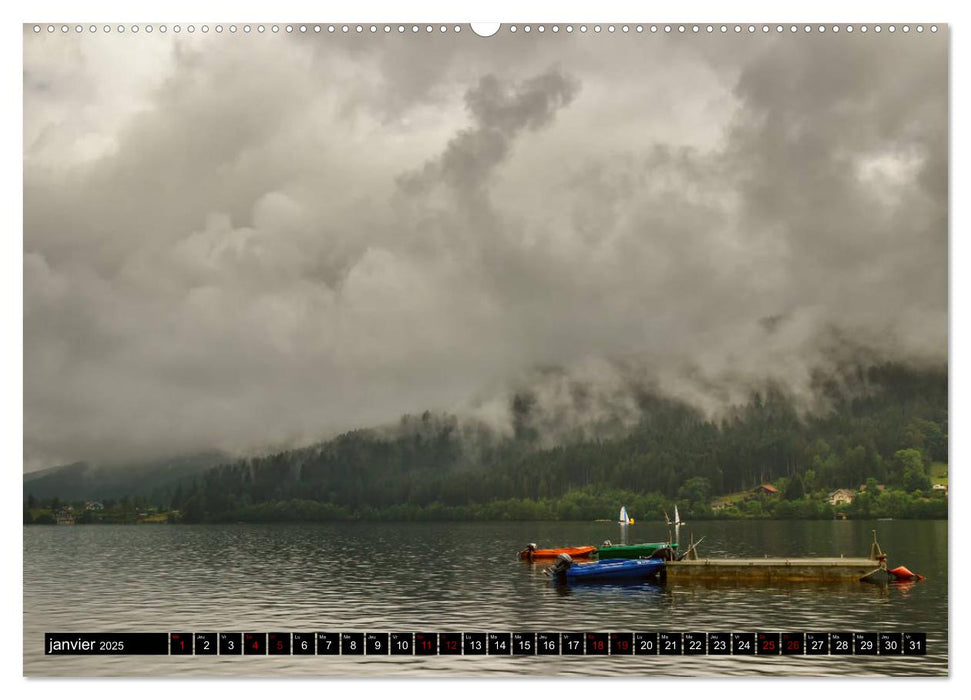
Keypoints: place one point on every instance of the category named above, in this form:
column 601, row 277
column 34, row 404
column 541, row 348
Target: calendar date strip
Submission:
column 486, row 643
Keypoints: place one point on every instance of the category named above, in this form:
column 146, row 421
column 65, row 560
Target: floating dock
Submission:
column 769, row 569
column 835, row 569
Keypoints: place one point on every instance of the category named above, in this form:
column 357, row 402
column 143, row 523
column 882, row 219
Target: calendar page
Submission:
column 438, row 349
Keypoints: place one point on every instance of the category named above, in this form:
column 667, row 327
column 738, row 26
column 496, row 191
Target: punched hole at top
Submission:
column 485, row 29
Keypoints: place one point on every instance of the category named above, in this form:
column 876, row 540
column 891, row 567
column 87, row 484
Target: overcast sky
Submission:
column 245, row 242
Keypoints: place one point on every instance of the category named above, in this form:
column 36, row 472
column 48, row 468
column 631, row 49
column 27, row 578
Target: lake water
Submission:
column 459, row 577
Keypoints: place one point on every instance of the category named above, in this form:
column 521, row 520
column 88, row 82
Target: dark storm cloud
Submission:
column 247, row 242
column 500, row 113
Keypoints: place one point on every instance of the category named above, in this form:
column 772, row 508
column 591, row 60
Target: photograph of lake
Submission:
column 512, row 350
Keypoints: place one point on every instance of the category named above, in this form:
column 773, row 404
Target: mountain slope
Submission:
column 82, row 481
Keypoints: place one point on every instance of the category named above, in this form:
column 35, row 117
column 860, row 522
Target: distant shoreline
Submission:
column 639, row 526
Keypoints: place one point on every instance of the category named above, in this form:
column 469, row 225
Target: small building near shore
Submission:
column 766, row 490
column 841, row 497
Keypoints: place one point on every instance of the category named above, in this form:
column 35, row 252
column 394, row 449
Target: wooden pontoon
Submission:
column 696, row 568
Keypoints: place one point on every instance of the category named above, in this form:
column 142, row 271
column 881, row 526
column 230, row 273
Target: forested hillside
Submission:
column 885, row 424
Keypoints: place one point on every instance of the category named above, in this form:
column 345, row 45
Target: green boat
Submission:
column 630, row 551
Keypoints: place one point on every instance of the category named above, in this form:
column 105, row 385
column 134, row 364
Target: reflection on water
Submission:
column 452, row 577
column 614, row 590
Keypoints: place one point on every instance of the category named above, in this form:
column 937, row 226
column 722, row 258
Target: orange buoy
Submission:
column 902, row 573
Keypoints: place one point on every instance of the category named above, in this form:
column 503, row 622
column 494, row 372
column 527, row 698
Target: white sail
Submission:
column 623, row 515
column 677, row 518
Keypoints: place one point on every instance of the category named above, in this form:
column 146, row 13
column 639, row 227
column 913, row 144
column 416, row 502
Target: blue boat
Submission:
column 566, row 571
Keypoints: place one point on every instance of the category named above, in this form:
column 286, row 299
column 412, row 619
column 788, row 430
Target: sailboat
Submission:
column 623, row 518
column 677, row 522
column 677, row 518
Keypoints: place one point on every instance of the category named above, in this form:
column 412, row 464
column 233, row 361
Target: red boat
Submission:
column 531, row 552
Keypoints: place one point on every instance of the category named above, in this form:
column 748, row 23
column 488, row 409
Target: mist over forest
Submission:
column 879, row 426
